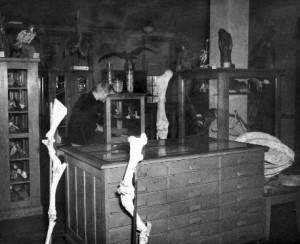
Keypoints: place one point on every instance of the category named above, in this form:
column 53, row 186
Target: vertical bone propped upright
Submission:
column 58, row 112
column 126, row 189
column 162, row 122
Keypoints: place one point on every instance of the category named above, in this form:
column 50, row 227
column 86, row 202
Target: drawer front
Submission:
column 144, row 186
column 242, row 171
column 242, row 220
column 241, row 183
column 185, row 193
column 256, row 205
column 143, row 200
column 124, row 233
column 144, row 170
column 193, row 218
column 203, row 240
column 244, row 234
column 193, row 205
column 236, row 159
column 119, row 219
column 182, row 180
column 242, row 195
column 193, row 232
column 182, row 166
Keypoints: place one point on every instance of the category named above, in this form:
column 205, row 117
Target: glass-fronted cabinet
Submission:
column 124, row 116
column 19, row 120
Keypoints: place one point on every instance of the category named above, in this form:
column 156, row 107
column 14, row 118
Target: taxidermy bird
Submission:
column 225, row 46
column 77, row 45
column 129, row 57
column 25, row 37
column 4, row 46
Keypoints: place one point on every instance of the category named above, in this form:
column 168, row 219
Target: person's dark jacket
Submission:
column 83, row 119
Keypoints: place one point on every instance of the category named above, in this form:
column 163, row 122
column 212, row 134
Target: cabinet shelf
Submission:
column 18, row 135
column 18, row 159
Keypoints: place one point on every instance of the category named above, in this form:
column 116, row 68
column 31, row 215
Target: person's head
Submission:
column 102, row 90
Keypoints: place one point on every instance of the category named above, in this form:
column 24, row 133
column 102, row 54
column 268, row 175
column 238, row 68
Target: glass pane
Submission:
column 251, row 106
column 19, row 192
column 196, row 107
column 126, row 118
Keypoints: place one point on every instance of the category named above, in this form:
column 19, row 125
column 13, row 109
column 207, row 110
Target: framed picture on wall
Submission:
column 157, row 63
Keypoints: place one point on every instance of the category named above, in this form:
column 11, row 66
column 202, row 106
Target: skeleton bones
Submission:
column 162, row 122
column 126, row 189
column 58, row 113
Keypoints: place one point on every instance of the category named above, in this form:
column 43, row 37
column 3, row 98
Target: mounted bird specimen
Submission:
column 129, row 57
column 21, row 48
column 78, row 46
column 4, row 46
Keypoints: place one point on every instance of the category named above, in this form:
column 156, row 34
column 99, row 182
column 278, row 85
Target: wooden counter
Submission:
column 191, row 191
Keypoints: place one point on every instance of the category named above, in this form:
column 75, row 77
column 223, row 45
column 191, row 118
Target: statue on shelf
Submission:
column 183, row 60
column 4, row 46
column 225, row 46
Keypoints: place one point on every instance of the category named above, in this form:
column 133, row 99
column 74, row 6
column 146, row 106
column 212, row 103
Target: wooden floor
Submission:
column 33, row 230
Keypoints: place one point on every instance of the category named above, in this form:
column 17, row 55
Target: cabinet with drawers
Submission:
column 194, row 192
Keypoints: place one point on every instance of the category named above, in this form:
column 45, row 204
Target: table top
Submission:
column 112, row 155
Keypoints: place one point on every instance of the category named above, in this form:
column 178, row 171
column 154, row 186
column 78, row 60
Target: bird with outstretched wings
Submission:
column 129, row 57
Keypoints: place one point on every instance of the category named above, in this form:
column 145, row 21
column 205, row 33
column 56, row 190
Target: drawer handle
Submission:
column 194, row 194
column 196, row 180
column 195, row 207
column 241, row 186
column 196, row 233
column 241, row 236
column 240, row 223
column 195, row 220
column 193, row 167
column 143, row 189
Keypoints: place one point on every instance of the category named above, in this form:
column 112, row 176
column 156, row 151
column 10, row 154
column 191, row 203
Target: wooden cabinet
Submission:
column 266, row 97
column 124, row 115
column 19, row 138
column 189, row 189
column 66, row 86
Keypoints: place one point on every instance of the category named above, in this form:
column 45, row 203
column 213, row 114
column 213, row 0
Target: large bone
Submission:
column 126, row 189
column 162, row 123
column 58, row 112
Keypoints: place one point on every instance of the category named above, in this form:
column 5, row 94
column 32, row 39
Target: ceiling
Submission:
column 165, row 15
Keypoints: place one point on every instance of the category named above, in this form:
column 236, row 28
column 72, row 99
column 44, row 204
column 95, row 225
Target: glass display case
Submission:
column 19, row 157
column 124, row 116
column 224, row 103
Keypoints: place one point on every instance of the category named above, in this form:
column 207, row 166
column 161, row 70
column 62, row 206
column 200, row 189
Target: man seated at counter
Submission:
column 84, row 126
